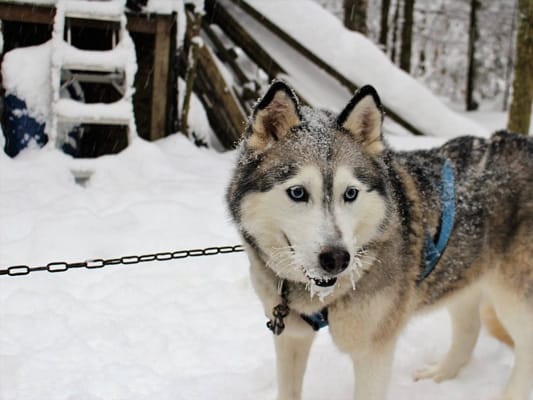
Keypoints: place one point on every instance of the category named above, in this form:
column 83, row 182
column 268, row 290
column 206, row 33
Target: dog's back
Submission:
column 491, row 253
column 502, row 169
column 493, row 227
column 496, row 178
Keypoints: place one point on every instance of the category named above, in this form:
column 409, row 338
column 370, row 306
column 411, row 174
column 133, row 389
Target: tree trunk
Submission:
column 355, row 15
column 520, row 111
column 395, row 20
column 510, row 60
column 384, row 28
column 407, row 35
column 471, row 70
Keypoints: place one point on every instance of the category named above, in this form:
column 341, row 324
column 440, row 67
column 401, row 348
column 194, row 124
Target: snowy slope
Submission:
column 361, row 61
column 189, row 329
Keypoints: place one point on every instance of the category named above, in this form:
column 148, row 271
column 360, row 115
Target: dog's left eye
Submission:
column 298, row 193
column 350, row 194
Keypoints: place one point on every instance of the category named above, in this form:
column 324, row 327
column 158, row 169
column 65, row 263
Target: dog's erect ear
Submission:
column 363, row 117
column 274, row 115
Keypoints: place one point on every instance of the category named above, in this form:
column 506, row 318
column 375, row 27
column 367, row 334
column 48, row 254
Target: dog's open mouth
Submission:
column 324, row 282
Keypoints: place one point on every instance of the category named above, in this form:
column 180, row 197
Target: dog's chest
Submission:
column 356, row 323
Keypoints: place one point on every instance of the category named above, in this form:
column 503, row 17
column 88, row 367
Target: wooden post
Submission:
column 158, row 126
column 195, row 22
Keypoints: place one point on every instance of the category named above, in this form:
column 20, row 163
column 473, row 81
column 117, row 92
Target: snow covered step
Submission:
column 119, row 58
column 118, row 113
column 111, row 10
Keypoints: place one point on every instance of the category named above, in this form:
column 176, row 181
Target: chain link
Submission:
column 62, row 266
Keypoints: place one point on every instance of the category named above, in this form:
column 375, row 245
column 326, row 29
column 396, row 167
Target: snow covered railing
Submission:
column 298, row 53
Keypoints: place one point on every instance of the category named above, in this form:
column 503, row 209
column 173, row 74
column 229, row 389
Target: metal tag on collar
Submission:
column 279, row 312
column 276, row 325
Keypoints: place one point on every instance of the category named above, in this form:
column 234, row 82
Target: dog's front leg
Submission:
column 292, row 352
column 373, row 371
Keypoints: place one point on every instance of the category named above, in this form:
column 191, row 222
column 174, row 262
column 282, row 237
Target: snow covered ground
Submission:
column 184, row 329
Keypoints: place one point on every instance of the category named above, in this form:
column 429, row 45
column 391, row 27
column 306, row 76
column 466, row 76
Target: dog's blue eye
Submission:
column 350, row 194
column 298, row 193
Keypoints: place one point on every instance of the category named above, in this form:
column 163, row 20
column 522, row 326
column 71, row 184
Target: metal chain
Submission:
column 62, row 266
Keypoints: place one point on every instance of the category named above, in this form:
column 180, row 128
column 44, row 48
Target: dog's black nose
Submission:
column 334, row 260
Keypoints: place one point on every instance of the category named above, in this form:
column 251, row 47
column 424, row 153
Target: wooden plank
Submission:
column 194, row 24
column 223, row 52
column 223, row 110
column 27, row 13
column 42, row 14
column 172, row 84
column 218, row 15
column 143, row 23
column 158, row 126
column 342, row 79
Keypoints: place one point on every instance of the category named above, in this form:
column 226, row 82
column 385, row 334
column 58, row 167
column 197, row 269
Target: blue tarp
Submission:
column 20, row 128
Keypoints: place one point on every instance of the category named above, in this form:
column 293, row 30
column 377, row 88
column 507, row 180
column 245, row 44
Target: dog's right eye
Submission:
column 298, row 193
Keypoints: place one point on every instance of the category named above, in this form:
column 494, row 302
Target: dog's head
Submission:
column 308, row 193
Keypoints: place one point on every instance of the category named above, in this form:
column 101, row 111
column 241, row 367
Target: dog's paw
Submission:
column 438, row 372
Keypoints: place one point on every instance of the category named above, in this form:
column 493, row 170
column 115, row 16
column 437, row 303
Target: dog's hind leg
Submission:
column 493, row 324
column 517, row 317
column 464, row 315
column 292, row 352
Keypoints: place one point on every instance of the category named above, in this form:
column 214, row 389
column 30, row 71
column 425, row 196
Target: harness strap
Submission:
column 433, row 251
column 317, row 320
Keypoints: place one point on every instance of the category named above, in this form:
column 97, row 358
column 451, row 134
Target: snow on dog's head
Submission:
column 308, row 192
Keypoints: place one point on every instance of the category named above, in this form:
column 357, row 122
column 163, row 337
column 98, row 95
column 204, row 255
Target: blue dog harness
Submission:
column 432, row 254
column 433, row 251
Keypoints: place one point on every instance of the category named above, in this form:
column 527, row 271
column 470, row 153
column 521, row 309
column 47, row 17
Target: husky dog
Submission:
column 341, row 229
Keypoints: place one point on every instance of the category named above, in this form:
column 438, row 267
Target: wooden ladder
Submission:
column 93, row 70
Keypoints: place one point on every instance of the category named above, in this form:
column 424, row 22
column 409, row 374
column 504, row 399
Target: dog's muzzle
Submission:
column 334, row 260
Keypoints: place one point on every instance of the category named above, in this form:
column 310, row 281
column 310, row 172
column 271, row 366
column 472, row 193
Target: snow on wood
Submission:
column 105, row 10
column 311, row 82
column 118, row 113
column 363, row 62
column 119, row 58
